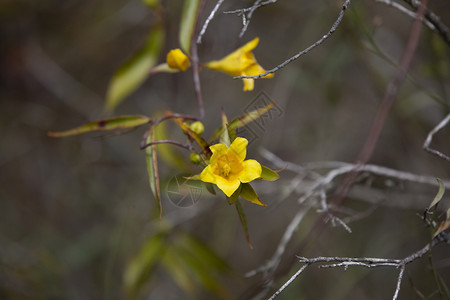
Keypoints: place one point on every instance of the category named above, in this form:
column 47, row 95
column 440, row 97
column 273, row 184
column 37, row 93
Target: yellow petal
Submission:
column 239, row 147
column 237, row 61
column 227, row 186
column 255, row 69
column 249, row 84
column 207, row 175
column 176, row 59
column 252, row 170
column 250, row 45
column 218, row 148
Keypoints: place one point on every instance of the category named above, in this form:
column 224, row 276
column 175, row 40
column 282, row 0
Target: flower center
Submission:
column 228, row 165
column 225, row 171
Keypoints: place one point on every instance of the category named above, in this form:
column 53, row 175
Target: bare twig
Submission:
column 345, row 262
column 317, row 43
column 385, row 107
column 210, row 17
column 426, row 145
column 186, row 146
column 195, row 68
column 247, row 13
column 406, row 11
column 276, row 257
column 440, row 27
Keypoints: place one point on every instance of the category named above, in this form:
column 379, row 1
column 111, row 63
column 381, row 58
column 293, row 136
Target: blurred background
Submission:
column 77, row 213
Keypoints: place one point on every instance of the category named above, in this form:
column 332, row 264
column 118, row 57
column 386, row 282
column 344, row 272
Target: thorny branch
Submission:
column 333, row 262
column 317, row 43
column 426, row 145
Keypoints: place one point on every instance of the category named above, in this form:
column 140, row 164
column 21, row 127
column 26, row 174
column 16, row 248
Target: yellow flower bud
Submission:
column 176, row 59
column 197, row 127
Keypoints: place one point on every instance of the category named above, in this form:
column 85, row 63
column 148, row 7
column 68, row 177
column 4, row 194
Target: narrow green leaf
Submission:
column 225, row 136
column 152, row 169
column 141, row 265
column 243, row 220
column 193, row 177
column 187, row 25
column 133, row 73
column 233, row 198
column 448, row 214
column 249, row 194
column 201, row 250
column 243, row 120
column 268, row 174
column 163, row 68
column 202, row 270
column 174, row 265
column 196, row 137
column 231, row 133
column 209, row 187
column 442, row 227
column 439, row 194
column 122, row 122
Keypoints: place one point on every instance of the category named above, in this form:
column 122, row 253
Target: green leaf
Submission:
column 225, row 136
column 268, row 174
column 141, row 265
column 196, row 137
column 448, row 214
column 202, row 263
column 233, row 198
column 249, row 194
column 243, row 220
column 152, row 169
column 243, row 120
column 439, row 194
column 187, row 25
column 132, row 74
column 121, row 122
column 193, row 177
column 163, row 68
column 176, row 266
column 210, row 187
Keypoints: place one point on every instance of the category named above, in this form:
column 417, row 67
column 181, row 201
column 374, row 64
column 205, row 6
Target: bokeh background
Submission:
column 75, row 211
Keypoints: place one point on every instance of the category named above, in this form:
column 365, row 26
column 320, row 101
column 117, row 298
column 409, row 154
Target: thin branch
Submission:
column 399, row 281
column 440, row 27
column 172, row 142
column 250, row 10
column 210, row 17
column 273, row 263
column 195, row 68
column 406, row 11
column 426, row 145
column 317, row 43
column 289, row 281
column 345, row 262
column 385, row 107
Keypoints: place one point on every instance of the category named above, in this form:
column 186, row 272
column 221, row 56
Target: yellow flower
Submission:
column 176, row 59
column 241, row 62
column 227, row 167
